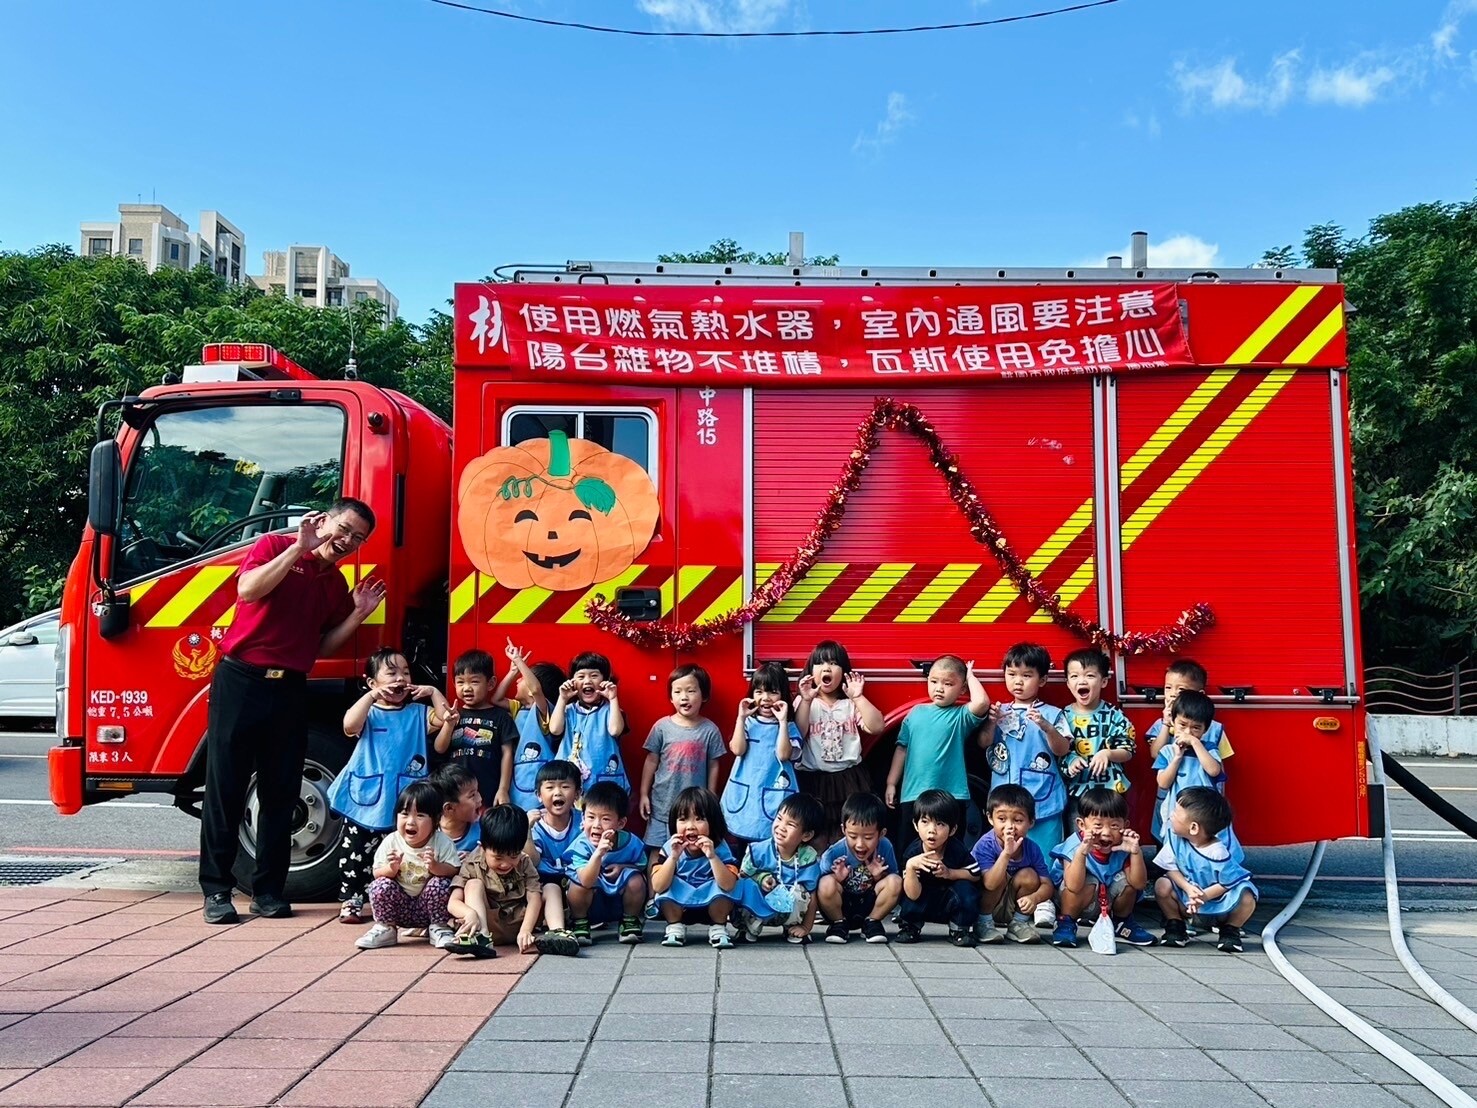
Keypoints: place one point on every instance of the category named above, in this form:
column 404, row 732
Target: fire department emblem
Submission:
column 194, row 656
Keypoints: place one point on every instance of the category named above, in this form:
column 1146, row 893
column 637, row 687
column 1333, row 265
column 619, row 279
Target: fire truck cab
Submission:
column 672, row 463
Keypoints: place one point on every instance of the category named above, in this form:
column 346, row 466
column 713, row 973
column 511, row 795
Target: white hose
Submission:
column 1418, row 974
column 1385, row 1046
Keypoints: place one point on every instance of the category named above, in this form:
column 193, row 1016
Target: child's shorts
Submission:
column 1116, row 888
column 857, row 905
column 606, row 907
column 560, row 879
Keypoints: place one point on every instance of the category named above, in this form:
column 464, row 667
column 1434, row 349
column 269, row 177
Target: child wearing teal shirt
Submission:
column 930, row 744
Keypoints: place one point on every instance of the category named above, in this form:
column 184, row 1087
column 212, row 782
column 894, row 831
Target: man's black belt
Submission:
column 269, row 673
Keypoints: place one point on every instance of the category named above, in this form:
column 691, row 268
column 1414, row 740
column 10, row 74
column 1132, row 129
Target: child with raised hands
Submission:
column 695, row 875
column 1015, row 872
column 860, row 883
column 496, row 895
column 765, row 745
column 1026, row 744
column 484, row 735
column 412, row 872
column 931, row 742
column 941, row 882
column 1191, row 758
column 1205, row 870
column 391, row 724
column 787, row 870
column 534, row 689
column 1102, row 739
column 682, row 751
column 832, row 713
column 588, row 722
column 1101, row 864
column 606, row 882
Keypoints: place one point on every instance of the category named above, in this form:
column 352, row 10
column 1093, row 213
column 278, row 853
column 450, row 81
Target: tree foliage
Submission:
column 729, row 252
column 75, row 332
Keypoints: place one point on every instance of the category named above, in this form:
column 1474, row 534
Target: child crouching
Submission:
column 497, row 897
column 604, row 867
column 787, row 868
column 412, row 871
column 695, row 872
column 941, row 883
column 1016, row 874
column 1100, row 867
column 1205, row 870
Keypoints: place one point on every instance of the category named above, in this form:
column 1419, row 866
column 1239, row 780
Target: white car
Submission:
column 28, row 668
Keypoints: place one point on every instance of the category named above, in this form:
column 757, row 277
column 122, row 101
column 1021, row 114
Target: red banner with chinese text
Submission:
column 736, row 335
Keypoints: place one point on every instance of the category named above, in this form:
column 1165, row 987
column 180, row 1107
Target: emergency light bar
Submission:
column 244, row 361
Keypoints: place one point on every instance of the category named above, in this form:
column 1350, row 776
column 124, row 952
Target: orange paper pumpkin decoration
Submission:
column 558, row 513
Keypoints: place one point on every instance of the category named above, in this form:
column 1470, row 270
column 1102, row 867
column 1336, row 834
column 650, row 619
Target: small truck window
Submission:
column 628, row 432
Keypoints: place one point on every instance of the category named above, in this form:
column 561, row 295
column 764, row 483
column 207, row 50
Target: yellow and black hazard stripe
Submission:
column 707, row 590
column 206, row 596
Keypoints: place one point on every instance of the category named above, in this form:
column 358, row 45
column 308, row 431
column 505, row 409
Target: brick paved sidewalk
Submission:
column 112, row 997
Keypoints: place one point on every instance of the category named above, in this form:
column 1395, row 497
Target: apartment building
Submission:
column 154, row 236
column 316, row 275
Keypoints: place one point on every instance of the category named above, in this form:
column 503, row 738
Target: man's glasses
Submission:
column 346, row 531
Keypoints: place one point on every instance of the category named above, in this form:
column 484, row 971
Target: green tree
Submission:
column 1412, row 284
column 729, row 252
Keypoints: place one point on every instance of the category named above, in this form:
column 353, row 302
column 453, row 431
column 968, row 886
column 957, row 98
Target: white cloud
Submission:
column 1349, row 86
column 1175, row 252
column 1222, row 85
column 1443, row 39
column 716, row 15
column 897, row 116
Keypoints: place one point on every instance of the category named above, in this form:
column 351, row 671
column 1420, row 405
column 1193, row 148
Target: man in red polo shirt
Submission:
column 292, row 607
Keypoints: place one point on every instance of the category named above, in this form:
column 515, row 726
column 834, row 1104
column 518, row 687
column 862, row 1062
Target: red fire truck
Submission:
column 728, row 464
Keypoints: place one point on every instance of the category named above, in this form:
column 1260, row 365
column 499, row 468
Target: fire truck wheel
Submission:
column 316, row 831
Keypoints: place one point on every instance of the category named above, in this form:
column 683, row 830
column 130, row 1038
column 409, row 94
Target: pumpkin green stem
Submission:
column 558, row 454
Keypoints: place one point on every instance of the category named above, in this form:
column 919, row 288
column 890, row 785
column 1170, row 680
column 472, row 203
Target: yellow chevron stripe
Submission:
column 576, row 613
column 227, row 617
column 1320, row 337
column 464, row 597
column 687, row 579
column 731, row 598
column 1274, row 324
column 524, row 603
column 937, row 592
column 353, row 574
column 136, row 593
column 870, row 592
column 196, row 592
column 804, row 592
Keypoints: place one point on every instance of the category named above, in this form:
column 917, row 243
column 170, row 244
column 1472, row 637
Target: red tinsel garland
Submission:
column 898, row 417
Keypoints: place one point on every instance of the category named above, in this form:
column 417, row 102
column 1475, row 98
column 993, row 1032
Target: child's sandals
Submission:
column 718, row 937
column 675, row 935
column 472, row 943
column 352, row 910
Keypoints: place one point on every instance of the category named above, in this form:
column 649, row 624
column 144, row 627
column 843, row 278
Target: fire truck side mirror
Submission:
column 104, row 488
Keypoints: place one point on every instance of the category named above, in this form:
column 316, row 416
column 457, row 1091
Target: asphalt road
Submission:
column 1437, row 864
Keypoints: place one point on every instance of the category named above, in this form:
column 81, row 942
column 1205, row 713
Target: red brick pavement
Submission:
column 115, row 997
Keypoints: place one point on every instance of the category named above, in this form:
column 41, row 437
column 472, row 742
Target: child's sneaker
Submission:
column 1175, row 933
column 1045, row 916
column 378, row 936
column 959, row 936
column 838, row 932
column 1065, row 933
column 873, row 931
column 675, row 935
column 985, row 931
column 908, row 933
column 718, row 937
column 440, row 935
column 1019, row 930
column 631, row 930
column 1128, row 931
column 1230, row 941
column 581, row 929
column 352, row 910
column 560, row 943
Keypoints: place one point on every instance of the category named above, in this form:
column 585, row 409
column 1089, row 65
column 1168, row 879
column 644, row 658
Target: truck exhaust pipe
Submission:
column 1138, row 250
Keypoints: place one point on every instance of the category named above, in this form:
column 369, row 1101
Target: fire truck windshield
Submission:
column 201, row 479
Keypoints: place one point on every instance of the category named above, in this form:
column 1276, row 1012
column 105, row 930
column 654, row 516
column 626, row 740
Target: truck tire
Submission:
column 317, row 832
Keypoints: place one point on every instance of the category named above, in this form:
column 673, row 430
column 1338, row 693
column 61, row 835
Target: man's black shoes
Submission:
column 270, row 907
column 219, row 909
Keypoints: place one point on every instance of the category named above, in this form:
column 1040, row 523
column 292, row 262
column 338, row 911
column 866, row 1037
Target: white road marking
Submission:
column 111, row 803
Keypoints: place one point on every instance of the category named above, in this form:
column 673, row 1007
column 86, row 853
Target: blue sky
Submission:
column 426, row 145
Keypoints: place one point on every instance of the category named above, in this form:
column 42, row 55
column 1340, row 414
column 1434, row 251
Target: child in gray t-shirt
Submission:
column 682, row 751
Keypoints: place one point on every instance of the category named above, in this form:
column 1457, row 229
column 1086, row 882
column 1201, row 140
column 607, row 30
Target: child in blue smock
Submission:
column 553, row 827
column 1191, row 758
column 766, row 746
column 695, row 872
column 588, row 722
column 605, row 866
column 1101, row 865
column 535, row 689
column 391, row 723
column 1027, row 744
column 787, row 869
column 1205, row 871
column 1182, row 675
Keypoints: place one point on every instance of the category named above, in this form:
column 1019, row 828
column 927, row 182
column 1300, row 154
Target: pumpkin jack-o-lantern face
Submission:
column 558, row 513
